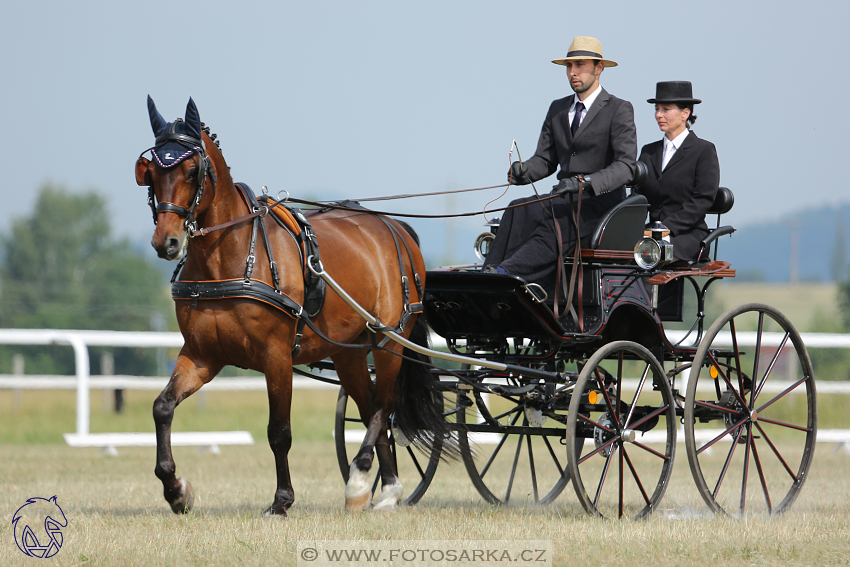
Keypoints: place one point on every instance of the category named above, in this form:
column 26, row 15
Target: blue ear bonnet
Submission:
column 175, row 141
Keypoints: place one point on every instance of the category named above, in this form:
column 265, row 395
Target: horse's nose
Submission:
column 172, row 247
column 169, row 249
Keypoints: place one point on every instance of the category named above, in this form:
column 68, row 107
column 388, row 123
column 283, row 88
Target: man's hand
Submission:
column 517, row 174
column 568, row 185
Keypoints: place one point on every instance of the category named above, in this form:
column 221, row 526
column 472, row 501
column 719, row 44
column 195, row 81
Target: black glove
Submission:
column 570, row 185
column 517, row 174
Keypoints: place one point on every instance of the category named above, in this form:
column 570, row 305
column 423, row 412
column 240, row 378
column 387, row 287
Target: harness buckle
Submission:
column 192, row 228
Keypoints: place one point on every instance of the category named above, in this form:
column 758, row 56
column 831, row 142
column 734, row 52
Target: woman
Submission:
column 684, row 173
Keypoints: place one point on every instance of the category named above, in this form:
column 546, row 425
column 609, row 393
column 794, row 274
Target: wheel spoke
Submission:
column 643, row 420
column 653, row 451
column 604, row 475
column 756, row 356
column 726, row 379
column 726, row 464
column 513, row 469
column 784, row 393
column 497, row 449
column 598, row 449
column 747, row 446
column 719, row 437
column 716, row 407
column 771, row 365
column 783, row 424
column 761, row 477
column 737, row 358
column 635, row 475
column 637, row 395
column 554, row 456
column 776, row 452
column 602, row 427
column 533, row 472
column 415, row 462
column 621, row 481
column 614, row 412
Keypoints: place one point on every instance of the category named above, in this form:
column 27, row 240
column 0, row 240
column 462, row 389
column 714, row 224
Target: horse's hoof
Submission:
column 186, row 500
column 389, row 499
column 272, row 513
column 359, row 503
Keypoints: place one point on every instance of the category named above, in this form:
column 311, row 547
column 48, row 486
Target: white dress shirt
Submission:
column 670, row 147
column 588, row 102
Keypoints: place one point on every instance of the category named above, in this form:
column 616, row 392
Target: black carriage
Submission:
column 606, row 393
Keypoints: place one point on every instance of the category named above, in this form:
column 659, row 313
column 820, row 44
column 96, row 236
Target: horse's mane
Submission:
column 213, row 137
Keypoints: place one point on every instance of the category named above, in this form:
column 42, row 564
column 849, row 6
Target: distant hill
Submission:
column 763, row 252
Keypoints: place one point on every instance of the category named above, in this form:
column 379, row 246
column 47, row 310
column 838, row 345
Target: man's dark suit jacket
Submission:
column 605, row 144
column 681, row 195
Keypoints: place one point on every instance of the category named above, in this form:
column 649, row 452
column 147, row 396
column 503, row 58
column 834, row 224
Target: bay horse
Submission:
column 190, row 186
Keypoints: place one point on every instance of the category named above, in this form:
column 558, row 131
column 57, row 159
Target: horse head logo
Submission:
column 38, row 527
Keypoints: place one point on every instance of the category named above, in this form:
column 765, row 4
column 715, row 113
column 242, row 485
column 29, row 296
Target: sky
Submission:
column 333, row 100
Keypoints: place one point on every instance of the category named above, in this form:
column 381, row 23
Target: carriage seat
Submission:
column 621, row 227
column 723, row 202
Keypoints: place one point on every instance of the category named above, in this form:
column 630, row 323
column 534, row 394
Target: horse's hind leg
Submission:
column 355, row 379
column 375, row 405
column 185, row 380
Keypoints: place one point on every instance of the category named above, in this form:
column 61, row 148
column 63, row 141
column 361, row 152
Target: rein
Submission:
column 340, row 207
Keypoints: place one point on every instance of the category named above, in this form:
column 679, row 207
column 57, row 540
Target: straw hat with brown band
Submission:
column 584, row 47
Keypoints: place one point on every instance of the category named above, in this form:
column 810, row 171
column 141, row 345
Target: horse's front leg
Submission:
column 279, row 386
column 187, row 378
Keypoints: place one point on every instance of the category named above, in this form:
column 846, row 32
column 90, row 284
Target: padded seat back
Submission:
column 723, row 202
column 621, row 227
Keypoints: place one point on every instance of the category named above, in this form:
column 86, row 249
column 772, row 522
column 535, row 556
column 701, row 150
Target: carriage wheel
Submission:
column 750, row 413
column 622, row 403
column 514, row 466
column 410, row 462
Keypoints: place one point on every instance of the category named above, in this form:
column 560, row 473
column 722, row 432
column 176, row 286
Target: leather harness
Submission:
column 295, row 223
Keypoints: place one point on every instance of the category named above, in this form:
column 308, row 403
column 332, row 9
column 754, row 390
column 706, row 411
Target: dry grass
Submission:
column 117, row 515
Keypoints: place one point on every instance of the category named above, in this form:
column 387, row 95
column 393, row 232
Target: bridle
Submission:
column 205, row 168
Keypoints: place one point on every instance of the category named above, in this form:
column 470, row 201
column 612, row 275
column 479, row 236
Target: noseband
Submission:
column 205, row 166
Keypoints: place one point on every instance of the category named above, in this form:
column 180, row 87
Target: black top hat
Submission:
column 674, row 91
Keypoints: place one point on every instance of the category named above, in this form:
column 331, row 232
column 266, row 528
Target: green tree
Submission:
column 62, row 269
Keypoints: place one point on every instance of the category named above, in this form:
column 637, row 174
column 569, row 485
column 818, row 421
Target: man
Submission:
column 591, row 136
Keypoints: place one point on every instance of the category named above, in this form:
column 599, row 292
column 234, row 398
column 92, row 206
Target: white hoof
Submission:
column 390, row 497
column 358, row 493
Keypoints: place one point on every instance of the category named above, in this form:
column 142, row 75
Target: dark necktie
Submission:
column 576, row 118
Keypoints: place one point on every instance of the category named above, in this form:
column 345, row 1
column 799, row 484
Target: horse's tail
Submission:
column 419, row 403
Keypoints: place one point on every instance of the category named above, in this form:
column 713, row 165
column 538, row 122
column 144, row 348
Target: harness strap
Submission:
column 234, row 288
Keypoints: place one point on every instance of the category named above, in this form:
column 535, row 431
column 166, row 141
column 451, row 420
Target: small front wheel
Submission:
column 623, row 406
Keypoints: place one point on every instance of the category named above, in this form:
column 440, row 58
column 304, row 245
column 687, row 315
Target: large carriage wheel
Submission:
column 623, row 404
column 411, row 463
column 517, row 466
column 750, row 413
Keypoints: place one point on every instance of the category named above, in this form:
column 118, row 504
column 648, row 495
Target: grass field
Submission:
column 117, row 516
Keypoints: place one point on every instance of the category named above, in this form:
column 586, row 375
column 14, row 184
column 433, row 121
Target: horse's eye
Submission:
column 193, row 173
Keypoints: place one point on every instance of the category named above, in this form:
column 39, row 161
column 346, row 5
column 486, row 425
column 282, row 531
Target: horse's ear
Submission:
column 143, row 174
column 158, row 123
column 193, row 119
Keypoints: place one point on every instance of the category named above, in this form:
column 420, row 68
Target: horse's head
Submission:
column 175, row 177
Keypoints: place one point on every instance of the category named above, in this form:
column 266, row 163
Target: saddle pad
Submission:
column 285, row 215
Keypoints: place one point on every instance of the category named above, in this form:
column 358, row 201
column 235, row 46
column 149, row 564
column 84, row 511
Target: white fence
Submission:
column 83, row 381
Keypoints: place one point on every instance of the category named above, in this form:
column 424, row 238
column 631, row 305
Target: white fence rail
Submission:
column 83, row 382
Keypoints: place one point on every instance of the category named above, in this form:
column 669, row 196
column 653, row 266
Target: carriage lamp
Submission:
column 654, row 251
column 485, row 239
column 483, row 243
